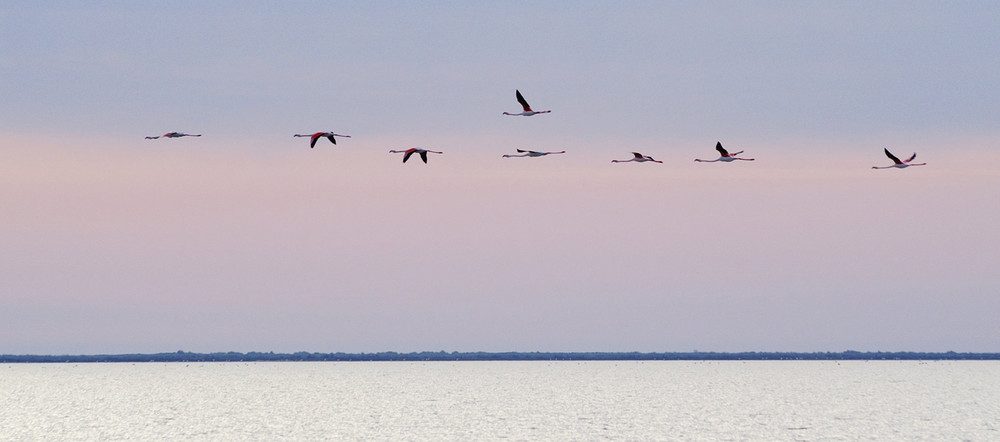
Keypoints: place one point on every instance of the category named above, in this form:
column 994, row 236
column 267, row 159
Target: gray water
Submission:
column 668, row 400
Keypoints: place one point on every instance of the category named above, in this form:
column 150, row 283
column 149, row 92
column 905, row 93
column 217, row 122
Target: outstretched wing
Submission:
column 406, row 155
column 423, row 156
column 637, row 155
column 722, row 150
column 520, row 99
column 313, row 138
column 332, row 140
column 521, row 151
column 891, row 156
column 911, row 157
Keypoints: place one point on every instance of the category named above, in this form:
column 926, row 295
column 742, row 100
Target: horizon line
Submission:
column 302, row 356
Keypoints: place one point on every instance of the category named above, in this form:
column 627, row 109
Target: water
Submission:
column 653, row 400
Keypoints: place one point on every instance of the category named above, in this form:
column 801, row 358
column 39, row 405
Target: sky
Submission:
column 245, row 239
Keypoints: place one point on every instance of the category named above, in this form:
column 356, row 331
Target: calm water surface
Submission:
column 661, row 400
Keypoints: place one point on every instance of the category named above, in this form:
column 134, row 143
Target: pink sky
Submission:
column 146, row 246
column 247, row 240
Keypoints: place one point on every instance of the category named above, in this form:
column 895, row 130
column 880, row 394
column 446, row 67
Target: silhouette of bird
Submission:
column 173, row 135
column 419, row 150
column 318, row 135
column 725, row 156
column 524, row 104
column 897, row 163
column 637, row 157
column 532, row 153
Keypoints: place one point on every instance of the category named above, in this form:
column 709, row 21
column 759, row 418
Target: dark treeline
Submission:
column 182, row 356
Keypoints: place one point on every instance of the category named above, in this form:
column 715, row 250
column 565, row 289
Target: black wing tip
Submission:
column 722, row 150
column 891, row 156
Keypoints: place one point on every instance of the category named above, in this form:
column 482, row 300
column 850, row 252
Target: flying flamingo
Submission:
column 406, row 153
column 318, row 135
column 725, row 156
column 172, row 135
column 637, row 157
column 899, row 164
column 533, row 153
column 527, row 109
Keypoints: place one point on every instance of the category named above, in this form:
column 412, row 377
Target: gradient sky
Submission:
column 247, row 240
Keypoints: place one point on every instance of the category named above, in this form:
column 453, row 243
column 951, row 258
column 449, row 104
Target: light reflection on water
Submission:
column 626, row 400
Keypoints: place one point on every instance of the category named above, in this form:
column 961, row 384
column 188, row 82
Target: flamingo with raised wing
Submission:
column 897, row 163
column 637, row 157
column 724, row 155
column 524, row 104
column 418, row 150
column 318, row 135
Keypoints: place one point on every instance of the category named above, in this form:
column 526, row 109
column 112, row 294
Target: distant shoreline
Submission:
column 182, row 356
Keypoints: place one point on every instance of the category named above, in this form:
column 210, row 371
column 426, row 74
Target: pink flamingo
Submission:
column 897, row 163
column 533, row 153
column 419, row 150
column 524, row 104
column 724, row 155
column 173, row 135
column 637, row 157
column 318, row 135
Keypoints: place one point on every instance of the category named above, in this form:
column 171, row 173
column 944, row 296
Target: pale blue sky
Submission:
column 245, row 239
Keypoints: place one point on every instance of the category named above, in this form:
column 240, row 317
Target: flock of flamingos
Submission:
column 724, row 155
